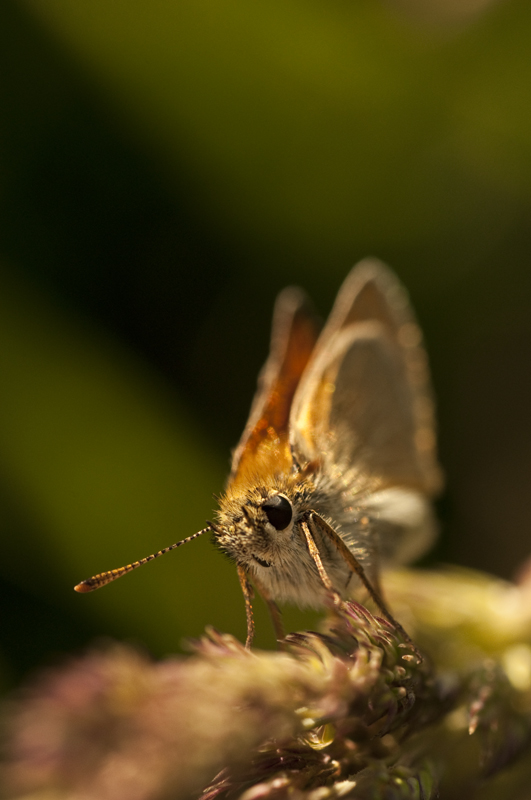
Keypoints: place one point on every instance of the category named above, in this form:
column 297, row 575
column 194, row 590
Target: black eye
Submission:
column 278, row 511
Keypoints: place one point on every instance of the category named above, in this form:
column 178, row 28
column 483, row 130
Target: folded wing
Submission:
column 365, row 397
column 365, row 404
column 264, row 444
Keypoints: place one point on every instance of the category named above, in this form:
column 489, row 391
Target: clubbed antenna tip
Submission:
column 103, row 578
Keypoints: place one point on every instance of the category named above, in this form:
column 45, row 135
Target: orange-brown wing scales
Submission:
column 264, row 443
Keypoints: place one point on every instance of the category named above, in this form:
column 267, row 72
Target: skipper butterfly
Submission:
column 333, row 475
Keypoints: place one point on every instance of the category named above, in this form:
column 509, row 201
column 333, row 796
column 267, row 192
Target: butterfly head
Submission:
column 255, row 525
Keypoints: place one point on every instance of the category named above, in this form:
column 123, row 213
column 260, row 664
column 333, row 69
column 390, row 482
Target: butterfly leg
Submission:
column 316, row 557
column 274, row 611
column 355, row 566
column 374, row 575
column 247, row 596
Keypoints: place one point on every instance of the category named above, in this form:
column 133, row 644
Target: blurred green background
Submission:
column 165, row 169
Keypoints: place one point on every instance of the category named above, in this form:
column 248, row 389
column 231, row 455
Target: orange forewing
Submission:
column 264, row 446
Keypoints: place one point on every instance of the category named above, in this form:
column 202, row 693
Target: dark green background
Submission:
column 166, row 168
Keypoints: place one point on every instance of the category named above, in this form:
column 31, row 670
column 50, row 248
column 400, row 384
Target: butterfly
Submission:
column 335, row 471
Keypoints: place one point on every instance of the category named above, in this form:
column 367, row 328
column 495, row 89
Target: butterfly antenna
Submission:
column 103, row 578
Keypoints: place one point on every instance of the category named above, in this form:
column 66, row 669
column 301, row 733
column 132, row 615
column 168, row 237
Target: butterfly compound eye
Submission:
column 278, row 511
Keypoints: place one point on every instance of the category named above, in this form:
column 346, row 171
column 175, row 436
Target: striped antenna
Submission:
column 107, row 577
